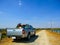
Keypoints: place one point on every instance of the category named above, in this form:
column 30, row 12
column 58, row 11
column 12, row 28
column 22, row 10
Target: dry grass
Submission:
column 54, row 38
column 5, row 41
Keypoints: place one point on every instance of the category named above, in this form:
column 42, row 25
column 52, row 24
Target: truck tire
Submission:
column 34, row 33
column 28, row 37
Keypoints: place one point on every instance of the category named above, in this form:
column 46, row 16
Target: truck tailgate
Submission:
column 14, row 32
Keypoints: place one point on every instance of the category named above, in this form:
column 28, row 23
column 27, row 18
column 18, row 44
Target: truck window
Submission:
column 25, row 26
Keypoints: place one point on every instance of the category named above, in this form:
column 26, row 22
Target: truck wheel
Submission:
column 34, row 33
column 28, row 37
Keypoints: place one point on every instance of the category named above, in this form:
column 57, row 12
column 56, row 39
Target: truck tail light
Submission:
column 23, row 32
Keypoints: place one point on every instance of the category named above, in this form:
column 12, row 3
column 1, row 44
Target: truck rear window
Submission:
column 25, row 26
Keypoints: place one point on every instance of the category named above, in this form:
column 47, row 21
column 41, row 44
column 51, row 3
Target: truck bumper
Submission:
column 18, row 37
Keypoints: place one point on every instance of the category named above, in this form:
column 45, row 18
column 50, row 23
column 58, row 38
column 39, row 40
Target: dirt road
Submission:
column 42, row 38
column 39, row 39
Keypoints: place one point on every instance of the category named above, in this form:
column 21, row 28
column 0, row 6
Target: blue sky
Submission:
column 38, row 13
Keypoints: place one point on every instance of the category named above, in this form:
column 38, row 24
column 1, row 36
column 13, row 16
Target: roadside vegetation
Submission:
column 47, row 28
column 3, row 31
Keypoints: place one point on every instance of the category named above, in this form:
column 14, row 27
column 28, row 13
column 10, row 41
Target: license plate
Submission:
column 13, row 37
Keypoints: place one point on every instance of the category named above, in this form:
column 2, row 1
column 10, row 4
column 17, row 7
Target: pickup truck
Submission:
column 26, row 31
